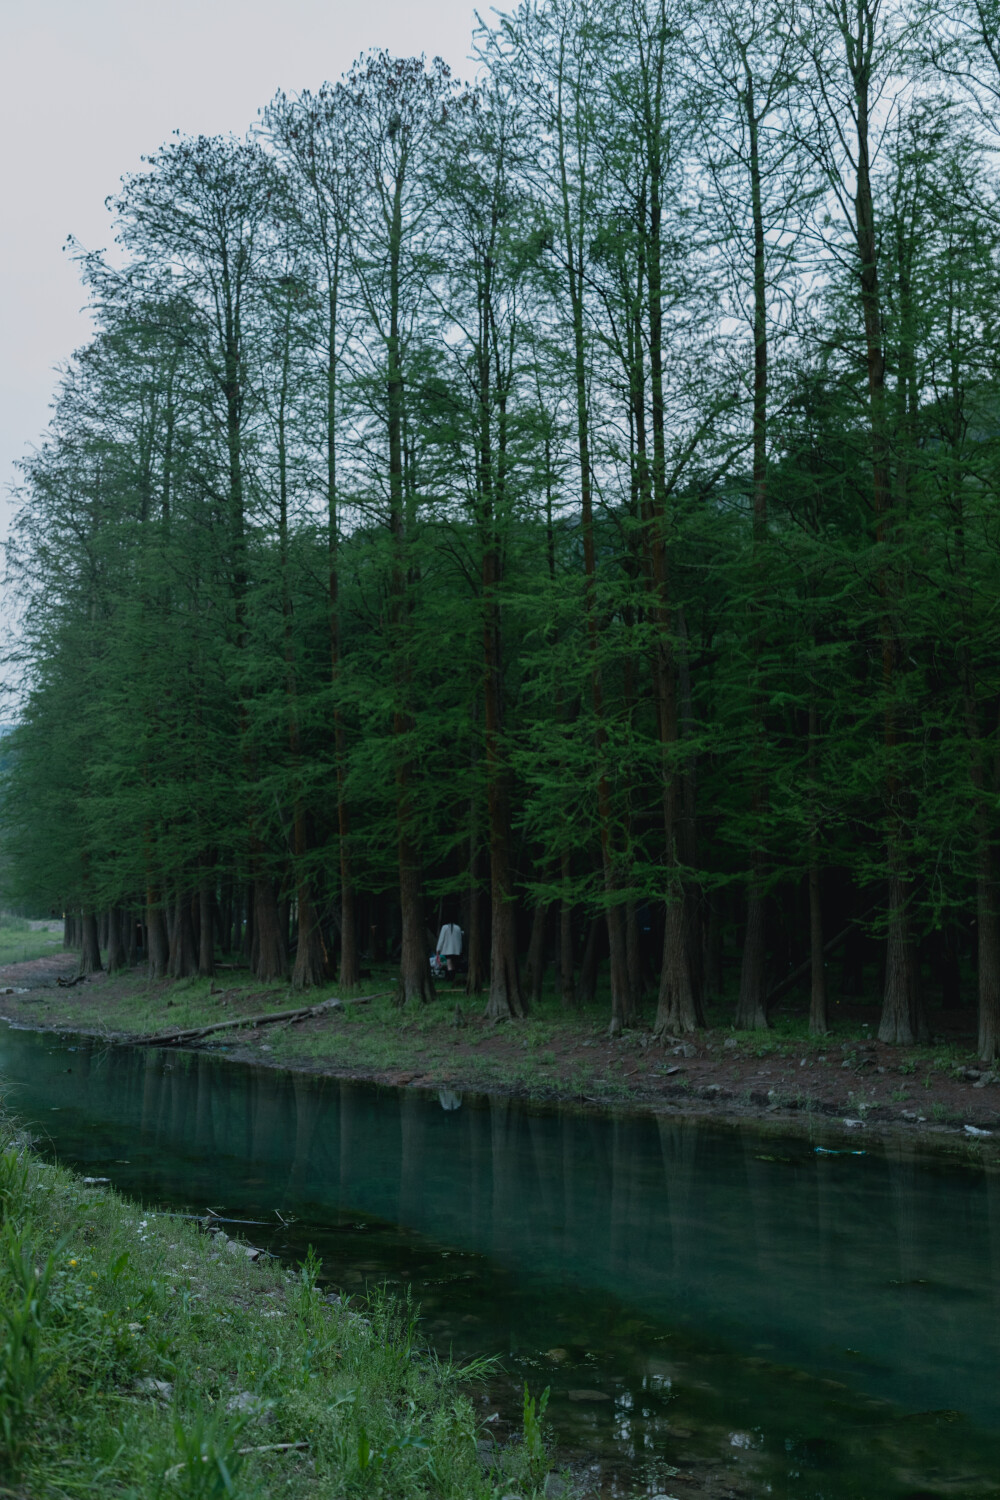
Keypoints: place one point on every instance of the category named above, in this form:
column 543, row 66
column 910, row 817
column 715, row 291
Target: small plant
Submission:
column 535, row 1455
column 24, row 1365
column 210, row 1459
column 14, row 1185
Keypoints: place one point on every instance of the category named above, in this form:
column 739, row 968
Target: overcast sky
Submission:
column 91, row 86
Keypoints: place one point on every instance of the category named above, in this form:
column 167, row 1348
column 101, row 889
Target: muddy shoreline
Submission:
column 846, row 1090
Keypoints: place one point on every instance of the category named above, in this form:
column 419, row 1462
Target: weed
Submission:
column 209, row 1458
column 25, row 1365
column 534, row 1441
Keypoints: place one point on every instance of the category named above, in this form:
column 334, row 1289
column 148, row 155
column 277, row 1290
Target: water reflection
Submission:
column 686, row 1293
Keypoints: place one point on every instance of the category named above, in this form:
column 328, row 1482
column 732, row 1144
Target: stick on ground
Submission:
column 300, row 1013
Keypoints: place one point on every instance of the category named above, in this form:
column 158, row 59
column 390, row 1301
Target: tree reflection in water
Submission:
column 734, row 1300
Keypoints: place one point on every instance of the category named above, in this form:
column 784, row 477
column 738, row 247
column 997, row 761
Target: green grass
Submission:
column 140, row 1358
column 18, row 943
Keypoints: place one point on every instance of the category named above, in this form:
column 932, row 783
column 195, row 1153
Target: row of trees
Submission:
column 572, row 495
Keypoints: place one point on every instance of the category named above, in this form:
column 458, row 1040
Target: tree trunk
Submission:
column 248, row 945
column 633, row 953
column 415, row 981
column 818, row 1022
column 128, row 938
column 902, row 1023
column 183, row 961
column 90, row 955
column 678, row 1008
column 586, row 989
column 713, row 948
column 987, row 887
column 751, row 1010
column 271, row 956
column 206, row 930
column 309, row 968
column 158, row 944
column 621, row 1000
column 474, row 979
column 988, row 955
column 567, row 987
column 505, row 1000
column 114, row 959
column 535, row 965
column 116, row 954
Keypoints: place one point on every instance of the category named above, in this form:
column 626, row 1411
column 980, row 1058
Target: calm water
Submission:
column 768, row 1320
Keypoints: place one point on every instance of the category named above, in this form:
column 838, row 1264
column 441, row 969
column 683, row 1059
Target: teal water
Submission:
column 715, row 1312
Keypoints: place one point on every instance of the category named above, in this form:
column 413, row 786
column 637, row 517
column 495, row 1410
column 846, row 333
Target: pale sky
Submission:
column 91, row 86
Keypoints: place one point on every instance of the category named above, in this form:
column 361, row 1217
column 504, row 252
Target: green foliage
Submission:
column 534, row 1441
column 25, row 1362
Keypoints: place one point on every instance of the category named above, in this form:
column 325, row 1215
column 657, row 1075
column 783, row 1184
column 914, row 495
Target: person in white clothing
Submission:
column 449, row 944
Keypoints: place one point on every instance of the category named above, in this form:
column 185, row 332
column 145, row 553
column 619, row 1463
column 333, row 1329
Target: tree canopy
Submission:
column 565, row 502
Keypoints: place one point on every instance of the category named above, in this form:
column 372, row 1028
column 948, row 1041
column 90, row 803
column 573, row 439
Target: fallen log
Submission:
column 300, row 1013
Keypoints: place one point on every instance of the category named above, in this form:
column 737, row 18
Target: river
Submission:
column 714, row 1311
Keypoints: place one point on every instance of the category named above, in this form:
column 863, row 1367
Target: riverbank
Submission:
column 847, row 1079
column 147, row 1355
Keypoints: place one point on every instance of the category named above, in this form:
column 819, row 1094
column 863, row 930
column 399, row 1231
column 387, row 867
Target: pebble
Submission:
column 237, row 1247
column 252, row 1406
column 147, row 1386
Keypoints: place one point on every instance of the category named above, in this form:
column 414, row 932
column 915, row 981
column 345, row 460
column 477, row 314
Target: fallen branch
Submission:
column 301, row 1013
column 277, row 1448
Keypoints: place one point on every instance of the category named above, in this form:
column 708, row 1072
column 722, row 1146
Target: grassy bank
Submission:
column 143, row 1357
column 20, row 941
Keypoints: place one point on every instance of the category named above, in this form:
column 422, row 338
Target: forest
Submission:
column 564, row 503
